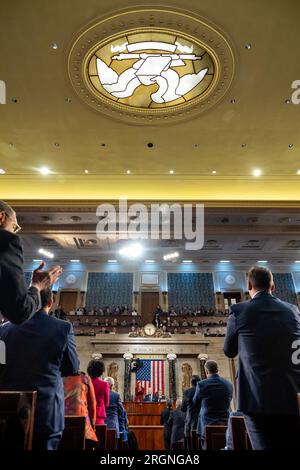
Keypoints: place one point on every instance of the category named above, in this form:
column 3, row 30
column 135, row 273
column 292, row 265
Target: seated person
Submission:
column 124, row 323
column 176, row 423
column 38, row 352
column 184, row 322
column 134, row 313
column 133, row 332
column 149, row 395
column 213, row 395
column 158, row 397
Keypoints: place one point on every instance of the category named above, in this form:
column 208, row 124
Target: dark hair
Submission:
column 169, row 404
column 260, row 277
column 194, row 380
column 211, row 367
column 95, row 368
column 46, row 296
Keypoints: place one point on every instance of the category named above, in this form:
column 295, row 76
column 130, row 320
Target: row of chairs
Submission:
column 17, row 419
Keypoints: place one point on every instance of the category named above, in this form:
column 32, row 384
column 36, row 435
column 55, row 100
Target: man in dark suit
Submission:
column 176, row 423
column 17, row 302
column 213, row 396
column 115, row 414
column 149, row 395
column 164, row 421
column 192, row 410
column 38, row 353
column 264, row 333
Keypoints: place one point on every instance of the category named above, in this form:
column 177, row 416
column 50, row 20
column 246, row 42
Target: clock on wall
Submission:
column 149, row 329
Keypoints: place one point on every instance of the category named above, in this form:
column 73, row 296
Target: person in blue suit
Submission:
column 38, row 353
column 149, row 396
column 116, row 417
column 213, row 395
column 265, row 333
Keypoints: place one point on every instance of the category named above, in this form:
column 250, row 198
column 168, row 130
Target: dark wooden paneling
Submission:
column 149, row 437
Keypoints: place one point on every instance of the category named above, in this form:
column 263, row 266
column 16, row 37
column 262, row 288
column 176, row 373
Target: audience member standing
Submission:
column 115, row 413
column 265, row 333
column 17, row 302
column 176, row 422
column 95, row 370
column 80, row 401
column 38, row 353
column 213, row 395
column 164, row 421
column 191, row 409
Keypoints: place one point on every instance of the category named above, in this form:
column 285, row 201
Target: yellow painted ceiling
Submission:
column 36, row 75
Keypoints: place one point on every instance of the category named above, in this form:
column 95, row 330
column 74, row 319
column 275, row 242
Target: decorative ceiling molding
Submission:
column 151, row 65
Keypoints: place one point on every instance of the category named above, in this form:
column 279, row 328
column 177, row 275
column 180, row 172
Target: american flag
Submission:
column 151, row 375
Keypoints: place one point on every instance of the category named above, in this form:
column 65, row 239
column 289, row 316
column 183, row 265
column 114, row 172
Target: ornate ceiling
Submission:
column 100, row 155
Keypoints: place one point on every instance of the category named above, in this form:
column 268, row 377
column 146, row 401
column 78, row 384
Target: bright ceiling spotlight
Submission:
column 44, row 171
column 132, row 251
column 257, row 172
column 46, row 253
column 171, row 256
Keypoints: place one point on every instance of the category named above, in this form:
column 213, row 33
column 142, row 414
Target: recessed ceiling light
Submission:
column 224, row 261
column 103, row 145
column 11, row 144
column 171, row 172
column 291, row 146
column 233, row 101
column 44, row 170
column 149, row 261
column 86, row 171
column 214, row 172
column 150, row 145
column 262, row 261
column 74, row 260
column 128, row 172
column 68, row 100
column 196, row 145
column 248, row 46
column 56, row 144
column 287, row 101
column 244, row 145
column 54, row 46
column 131, row 251
column 112, row 261
column 14, row 100
column 257, row 172
column 186, row 261
column 2, row 172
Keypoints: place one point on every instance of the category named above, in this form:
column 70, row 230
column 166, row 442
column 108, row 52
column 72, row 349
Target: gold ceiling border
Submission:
column 187, row 25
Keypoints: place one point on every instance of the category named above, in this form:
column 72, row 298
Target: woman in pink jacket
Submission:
column 95, row 370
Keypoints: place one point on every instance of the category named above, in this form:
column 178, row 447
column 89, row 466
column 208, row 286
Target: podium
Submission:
column 144, row 421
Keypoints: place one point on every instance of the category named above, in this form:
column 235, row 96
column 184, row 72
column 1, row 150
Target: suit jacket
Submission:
column 148, row 397
column 115, row 413
column 176, row 422
column 213, row 396
column 191, row 409
column 164, row 421
column 102, row 398
column 17, row 302
column 262, row 331
column 38, row 353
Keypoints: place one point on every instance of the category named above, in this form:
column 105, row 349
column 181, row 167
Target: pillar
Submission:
column 172, row 376
column 127, row 376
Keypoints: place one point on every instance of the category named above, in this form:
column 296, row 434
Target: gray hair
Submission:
column 110, row 381
column 4, row 207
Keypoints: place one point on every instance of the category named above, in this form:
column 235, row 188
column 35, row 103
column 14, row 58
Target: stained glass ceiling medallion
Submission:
column 150, row 70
